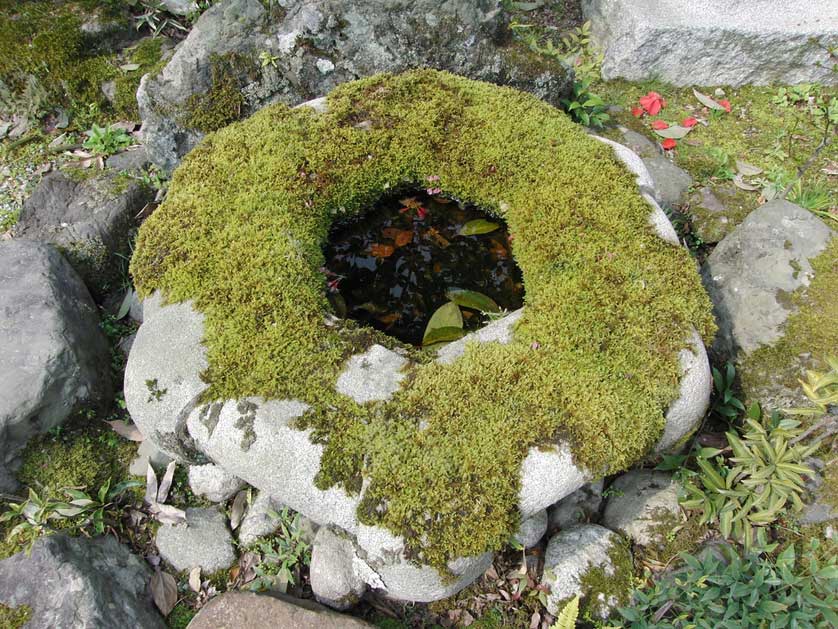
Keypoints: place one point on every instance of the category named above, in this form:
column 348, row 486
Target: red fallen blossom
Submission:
column 689, row 122
column 652, row 103
column 668, row 144
column 333, row 284
column 659, row 125
column 725, row 104
column 421, row 212
column 637, row 112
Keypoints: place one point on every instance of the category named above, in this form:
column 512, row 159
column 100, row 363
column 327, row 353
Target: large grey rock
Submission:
column 319, row 44
column 88, row 220
column 532, row 529
column 260, row 611
column 707, row 42
column 752, row 271
column 640, row 501
column 671, row 182
column 260, row 441
column 579, row 507
column 80, row 583
column 572, row 554
column 213, row 482
column 203, row 541
column 54, row 357
column 332, row 574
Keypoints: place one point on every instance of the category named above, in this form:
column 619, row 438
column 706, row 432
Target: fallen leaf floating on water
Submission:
column 442, row 335
column 478, row 226
column 400, row 237
column 472, row 299
column 446, row 316
column 382, row 251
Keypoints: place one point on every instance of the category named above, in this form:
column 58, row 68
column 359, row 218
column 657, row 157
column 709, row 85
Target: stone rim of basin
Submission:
column 170, row 341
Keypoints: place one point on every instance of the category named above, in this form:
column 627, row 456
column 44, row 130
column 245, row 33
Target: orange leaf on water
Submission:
column 382, row 251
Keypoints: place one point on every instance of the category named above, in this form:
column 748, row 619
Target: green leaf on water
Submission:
column 478, row 226
column 442, row 335
column 446, row 316
column 472, row 299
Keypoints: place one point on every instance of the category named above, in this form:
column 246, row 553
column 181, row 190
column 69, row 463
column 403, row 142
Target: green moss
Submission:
column 609, row 303
column 44, row 40
column 148, row 55
column 809, row 336
column 180, row 616
column 77, row 457
column 14, row 617
column 675, row 535
column 600, row 587
column 223, row 103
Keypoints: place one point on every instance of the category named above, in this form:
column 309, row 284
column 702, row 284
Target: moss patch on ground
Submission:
column 44, row 50
column 147, row 54
column 76, row 457
column 594, row 360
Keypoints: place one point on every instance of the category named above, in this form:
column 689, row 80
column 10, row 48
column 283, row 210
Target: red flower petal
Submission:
column 637, row 112
column 725, row 104
column 659, row 124
column 668, row 144
column 689, row 122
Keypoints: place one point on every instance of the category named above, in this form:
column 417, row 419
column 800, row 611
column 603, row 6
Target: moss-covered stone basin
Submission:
column 427, row 459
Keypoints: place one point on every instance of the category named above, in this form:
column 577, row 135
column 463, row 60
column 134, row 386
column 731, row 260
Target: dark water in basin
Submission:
column 391, row 267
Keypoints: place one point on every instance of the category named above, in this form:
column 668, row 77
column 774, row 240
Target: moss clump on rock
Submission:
column 224, row 102
column 14, row 617
column 594, row 359
column 810, row 334
column 603, row 590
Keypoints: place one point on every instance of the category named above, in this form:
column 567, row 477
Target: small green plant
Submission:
column 568, row 616
column 586, row 107
column 725, row 403
column 737, row 592
column 282, row 555
column 724, row 166
column 822, row 390
column 155, row 17
column 267, row 59
column 815, row 197
column 79, row 512
column 106, row 140
column 574, row 49
column 748, row 492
